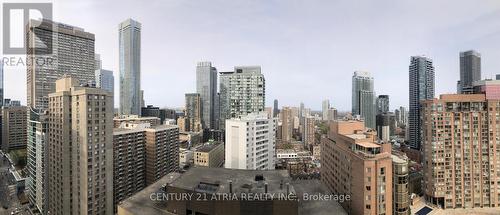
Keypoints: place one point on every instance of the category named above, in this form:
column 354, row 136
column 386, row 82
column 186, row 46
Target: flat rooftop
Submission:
column 208, row 147
column 243, row 180
column 356, row 136
column 319, row 207
column 141, row 203
column 368, row 144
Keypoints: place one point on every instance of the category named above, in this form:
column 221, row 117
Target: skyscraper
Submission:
column 72, row 54
column 309, row 131
column 98, row 62
column 324, row 110
column 242, row 91
column 36, row 159
column 206, row 86
column 401, row 116
column 276, row 109
column 363, row 97
column 193, row 112
column 130, row 67
column 254, row 131
column 104, row 79
column 470, row 70
column 421, row 88
column 286, row 124
column 80, row 150
column 301, row 110
column 1, row 83
column 382, row 104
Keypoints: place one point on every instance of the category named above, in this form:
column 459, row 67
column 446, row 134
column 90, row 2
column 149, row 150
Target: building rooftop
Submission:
column 398, row 158
column 356, row 136
column 134, row 117
column 141, row 203
column 463, row 97
column 208, row 147
column 203, row 179
column 368, row 144
column 217, row 180
column 312, row 187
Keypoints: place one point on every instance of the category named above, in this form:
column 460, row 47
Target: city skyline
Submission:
column 89, row 143
column 307, row 39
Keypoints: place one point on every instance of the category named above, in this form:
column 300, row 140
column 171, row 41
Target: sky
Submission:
column 308, row 50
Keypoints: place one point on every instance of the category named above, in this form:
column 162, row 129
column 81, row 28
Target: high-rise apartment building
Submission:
column 363, row 97
column 250, row 142
column 80, row 150
column 242, row 91
column 421, row 88
column 130, row 67
column 13, row 120
column 206, row 86
column 141, row 154
column 162, row 151
column 461, row 149
column 309, row 131
column 324, row 109
column 72, row 54
column 276, row 109
column 353, row 163
column 104, row 79
column 65, row 50
column 286, row 124
column 129, row 160
column 301, row 110
column 193, row 112
column 382, row 104
column 332, row 114
column 36, row 184
column 401, row 116
column 470, row 70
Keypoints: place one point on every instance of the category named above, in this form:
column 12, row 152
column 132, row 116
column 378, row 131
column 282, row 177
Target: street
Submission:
column 8, row 199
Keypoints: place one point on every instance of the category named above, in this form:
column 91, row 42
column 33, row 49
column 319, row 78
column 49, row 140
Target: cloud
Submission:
column 308, row 49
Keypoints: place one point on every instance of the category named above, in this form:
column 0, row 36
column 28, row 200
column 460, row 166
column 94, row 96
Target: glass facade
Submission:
column 130, row 67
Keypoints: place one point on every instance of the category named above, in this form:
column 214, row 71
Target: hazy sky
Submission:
column 308, row 50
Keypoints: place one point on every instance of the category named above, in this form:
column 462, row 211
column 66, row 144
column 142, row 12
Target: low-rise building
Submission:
column 209, row 155
column 231, row 192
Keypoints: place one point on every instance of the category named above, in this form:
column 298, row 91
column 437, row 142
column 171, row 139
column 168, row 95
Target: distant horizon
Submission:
column 306, row 58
